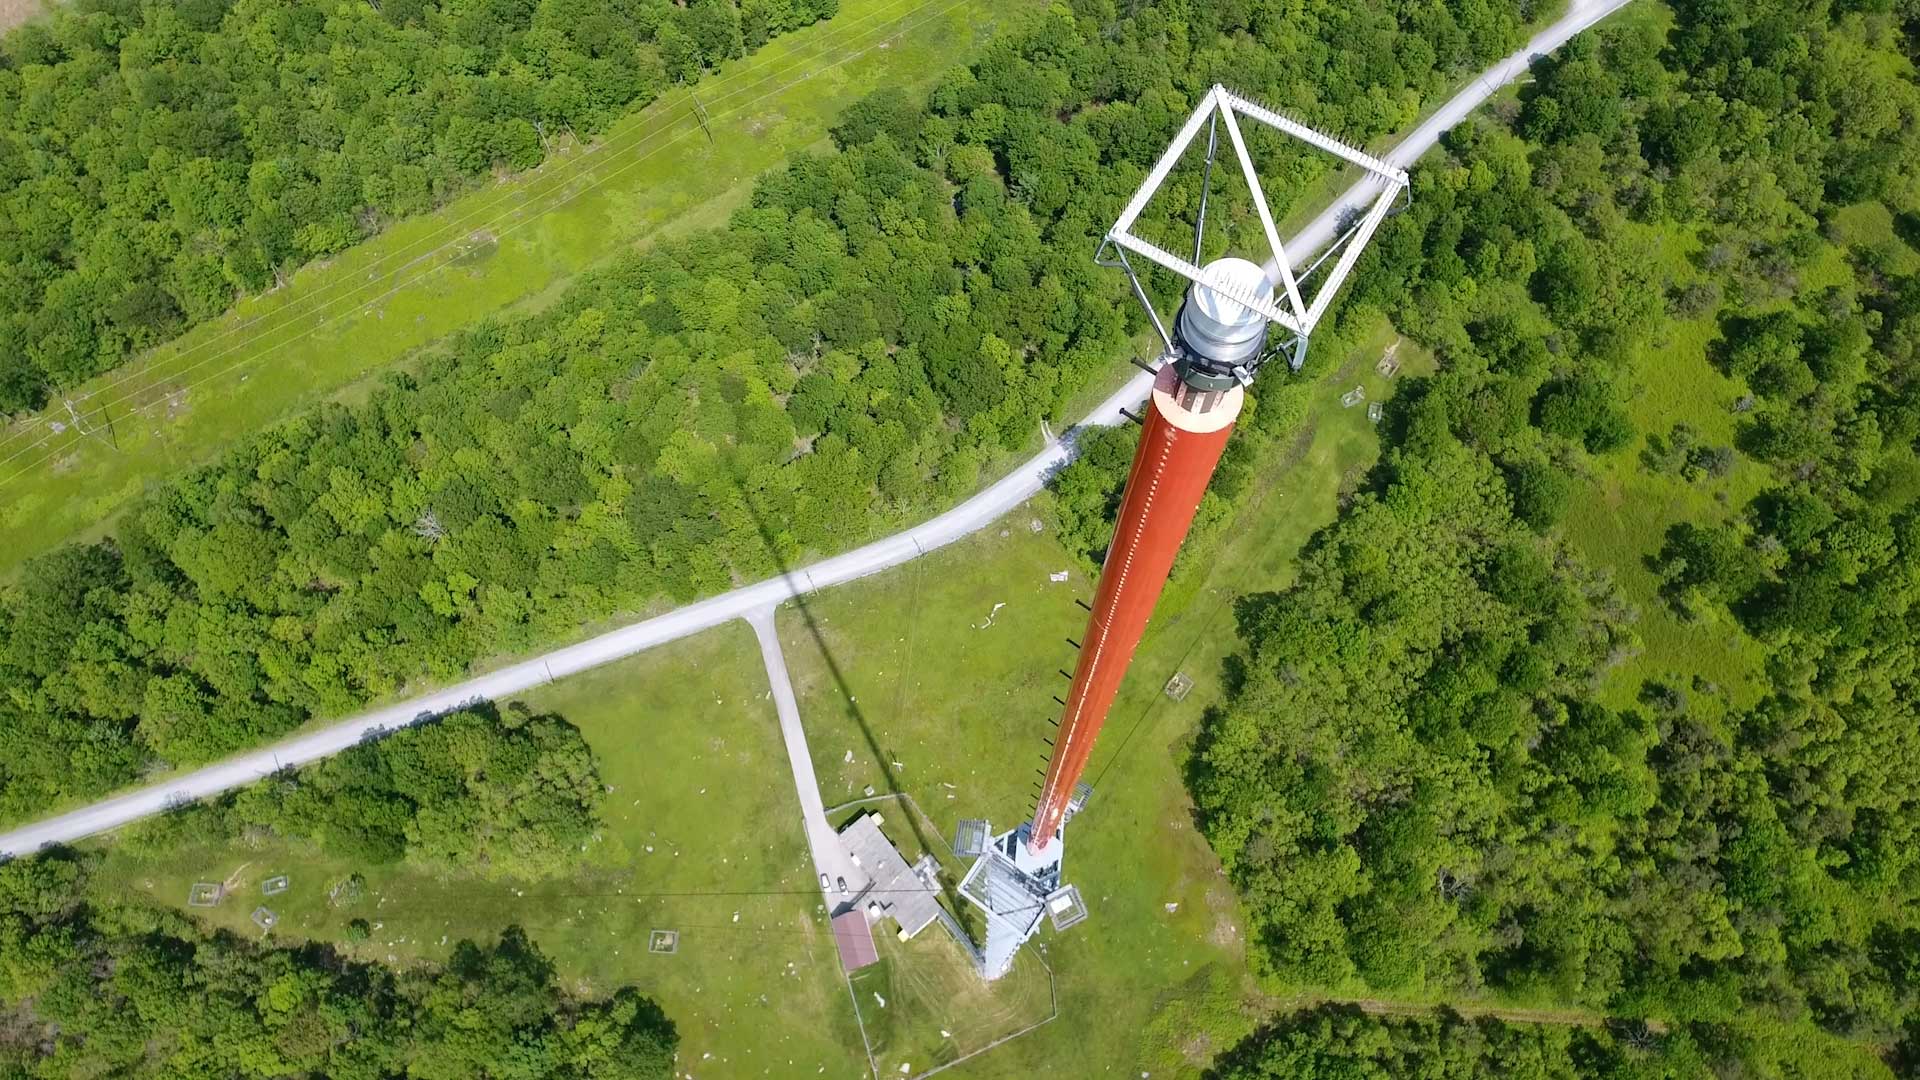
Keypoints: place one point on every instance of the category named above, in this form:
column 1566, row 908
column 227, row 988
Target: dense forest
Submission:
column 137, row 992
column 1342, row 1041
column 484, row 791
column 158, row 159
column 847, row 353
column 1414, row 784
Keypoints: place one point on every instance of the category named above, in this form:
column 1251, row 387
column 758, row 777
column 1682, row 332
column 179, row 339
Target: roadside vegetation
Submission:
column 489, row 792
column 158, row 160
column 847, row 353
column 684, row 746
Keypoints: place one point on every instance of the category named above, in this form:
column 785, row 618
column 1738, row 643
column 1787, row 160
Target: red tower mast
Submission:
column 1218, row 341
column 1185, row 431
column 1216, row 345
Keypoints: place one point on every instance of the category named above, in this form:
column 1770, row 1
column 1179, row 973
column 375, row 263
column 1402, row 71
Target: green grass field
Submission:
column 702, row 837
column 923, row 1005
column 904, row 669
column 1621, row 513
column 508, row 245
column 686, row 740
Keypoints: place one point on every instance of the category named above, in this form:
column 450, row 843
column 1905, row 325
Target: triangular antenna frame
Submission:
column 1221, row 108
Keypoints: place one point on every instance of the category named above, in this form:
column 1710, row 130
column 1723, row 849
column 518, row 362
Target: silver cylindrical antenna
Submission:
column 1222, row 329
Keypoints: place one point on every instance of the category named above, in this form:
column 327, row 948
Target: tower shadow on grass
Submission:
column 890, row 783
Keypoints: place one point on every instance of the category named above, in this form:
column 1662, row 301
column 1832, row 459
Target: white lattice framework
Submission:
column 1290, row 309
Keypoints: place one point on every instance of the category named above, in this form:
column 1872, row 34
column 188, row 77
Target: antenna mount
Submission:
column 1219, row 336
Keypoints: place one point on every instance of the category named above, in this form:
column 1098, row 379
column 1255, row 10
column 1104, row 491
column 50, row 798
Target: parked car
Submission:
column 824, row 883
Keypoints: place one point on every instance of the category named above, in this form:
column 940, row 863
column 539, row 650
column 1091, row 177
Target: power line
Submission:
column 602, row 159
column 505, row 193
column 80, row 424
column 566, row 198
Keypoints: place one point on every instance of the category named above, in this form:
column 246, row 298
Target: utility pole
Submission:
column 88, row 428
column 700, row 112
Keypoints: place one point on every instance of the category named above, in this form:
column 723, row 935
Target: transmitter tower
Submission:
column 1236, row 315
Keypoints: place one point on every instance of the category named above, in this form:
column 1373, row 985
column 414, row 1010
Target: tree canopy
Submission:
column 847, row 353
column 134, row 992
column 1416, row 785
column 498, row 793
column 159, row 159
column 1345, row 1042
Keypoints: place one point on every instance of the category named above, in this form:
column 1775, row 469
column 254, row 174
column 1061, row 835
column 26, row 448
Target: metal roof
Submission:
column 854, row 938
column 903, row 893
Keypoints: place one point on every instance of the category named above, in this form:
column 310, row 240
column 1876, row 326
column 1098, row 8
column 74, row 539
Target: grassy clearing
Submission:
column 1869, row 227
column 905, row 672
column 1621, row 514
column 903, row 668
column 1622, row 510
column 513, row 243
column 688, row 743
column 1620, row 517
column 923, row 1005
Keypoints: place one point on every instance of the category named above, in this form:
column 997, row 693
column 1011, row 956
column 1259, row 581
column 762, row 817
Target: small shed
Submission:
column 1179, row 686
column 853, row 936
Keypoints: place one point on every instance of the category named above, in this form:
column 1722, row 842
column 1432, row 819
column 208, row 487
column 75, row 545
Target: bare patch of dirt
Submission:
column 477, row 248
column 1225, row 933
column 1198, row 1050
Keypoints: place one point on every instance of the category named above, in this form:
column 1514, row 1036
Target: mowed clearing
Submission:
column 656, row 173
column 924, row 1006
column 687, row 741
column 934, row 691
column 702, row 838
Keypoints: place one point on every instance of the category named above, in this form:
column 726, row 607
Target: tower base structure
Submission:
column 1017, row 884
column 1010, row 884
